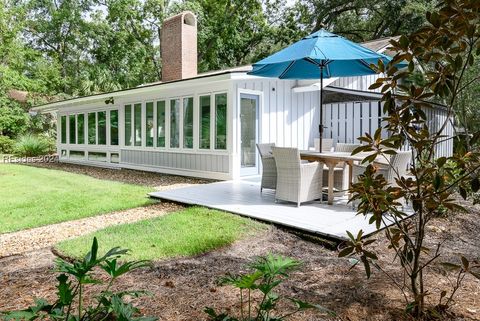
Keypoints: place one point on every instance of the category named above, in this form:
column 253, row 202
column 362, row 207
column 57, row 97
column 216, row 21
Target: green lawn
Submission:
column 187, row 232
column 31, row 197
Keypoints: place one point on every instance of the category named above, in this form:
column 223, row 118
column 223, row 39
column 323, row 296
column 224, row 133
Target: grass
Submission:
column 32, row 197
column 187, row 232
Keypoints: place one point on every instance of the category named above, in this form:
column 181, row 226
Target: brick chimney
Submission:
column 179, row 47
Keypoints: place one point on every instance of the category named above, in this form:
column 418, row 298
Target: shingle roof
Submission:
column 380, row 45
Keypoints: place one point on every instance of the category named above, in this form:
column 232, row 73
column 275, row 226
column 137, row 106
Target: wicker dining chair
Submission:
column 327, row 144
column 397, row 167
column 346, row 148
column 296, row 181
column 269, row 168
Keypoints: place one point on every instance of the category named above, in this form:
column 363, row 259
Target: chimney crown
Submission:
column 179, row 47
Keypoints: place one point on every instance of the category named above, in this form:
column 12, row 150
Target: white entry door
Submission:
column 248, row 134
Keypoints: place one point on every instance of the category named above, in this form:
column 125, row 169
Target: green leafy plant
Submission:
column 73, row 279
column 32, row 145
column 268, row 273
column 442, row 52
column 6, row 145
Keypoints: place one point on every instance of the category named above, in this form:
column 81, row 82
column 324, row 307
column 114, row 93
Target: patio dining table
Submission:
column 332, row 159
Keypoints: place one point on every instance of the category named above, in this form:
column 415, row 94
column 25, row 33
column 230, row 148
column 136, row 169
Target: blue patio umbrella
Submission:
column 319, row 55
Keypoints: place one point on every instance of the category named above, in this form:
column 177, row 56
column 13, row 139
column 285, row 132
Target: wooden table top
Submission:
column 339, row 156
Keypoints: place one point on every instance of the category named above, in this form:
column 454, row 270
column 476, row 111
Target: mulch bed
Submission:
column 156, row 180
column 183, row 287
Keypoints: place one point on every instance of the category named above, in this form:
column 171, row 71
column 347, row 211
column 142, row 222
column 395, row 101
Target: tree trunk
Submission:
column 417, row 273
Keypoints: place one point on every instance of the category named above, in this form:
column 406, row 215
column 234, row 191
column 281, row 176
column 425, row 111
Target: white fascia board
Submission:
column 370, row 94
column 52, row 107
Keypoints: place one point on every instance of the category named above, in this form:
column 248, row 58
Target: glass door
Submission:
column 248, row 134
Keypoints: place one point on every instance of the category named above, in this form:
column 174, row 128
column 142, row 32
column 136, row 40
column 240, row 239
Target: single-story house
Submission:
column 206, row 125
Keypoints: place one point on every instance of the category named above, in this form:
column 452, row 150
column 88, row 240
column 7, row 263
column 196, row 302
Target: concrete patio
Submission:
column 243, row 197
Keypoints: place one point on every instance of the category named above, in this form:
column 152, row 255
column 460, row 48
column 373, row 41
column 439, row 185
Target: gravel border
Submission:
column 46, row 236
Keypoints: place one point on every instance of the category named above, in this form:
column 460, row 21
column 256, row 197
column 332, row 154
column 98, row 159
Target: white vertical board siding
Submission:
column 286, row 118
column 346, row 121
column 291, row 119
column 436, row 117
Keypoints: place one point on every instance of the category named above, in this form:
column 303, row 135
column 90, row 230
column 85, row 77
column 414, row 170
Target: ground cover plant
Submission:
column 268, row 273
column 438, row 56
column 187, row 232
column 31, row 197
column 6, row 145
column 74, row 277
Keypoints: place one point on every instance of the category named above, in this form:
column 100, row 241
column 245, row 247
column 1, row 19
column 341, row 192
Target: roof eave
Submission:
column 54, row 106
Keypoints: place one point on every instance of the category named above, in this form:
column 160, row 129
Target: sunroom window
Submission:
column 221, row 121
column 72, row 130
column 137, row 124
column 114, row 127
column 128, row 125
column 81, row 128
column 63, row 129
column 188, row 122
column 92, row 129
column 175, row 123
column 102, row 127
column 204, row 129
column 161, row 123
column 149, row 124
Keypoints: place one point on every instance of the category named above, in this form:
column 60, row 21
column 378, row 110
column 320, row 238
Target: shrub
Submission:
column 6, row 145
column 268, row 273
column 442, row 52
column 72, row 281
column 32, row 145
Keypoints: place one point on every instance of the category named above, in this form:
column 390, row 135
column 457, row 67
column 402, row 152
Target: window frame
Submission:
column 109, row 126
column 213, row 113
column 70, row 118
column 134, row 123
column 125, row 125
column 97, row 118
column 200, row 122
column 182, row 111
column 144, row 123
column 88, row 128
column 77, row 129
column 166, row 126
column 215, row 121
column 180, row 123
column 168, row 113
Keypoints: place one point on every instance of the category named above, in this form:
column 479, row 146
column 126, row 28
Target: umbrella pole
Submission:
column 320, row 126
